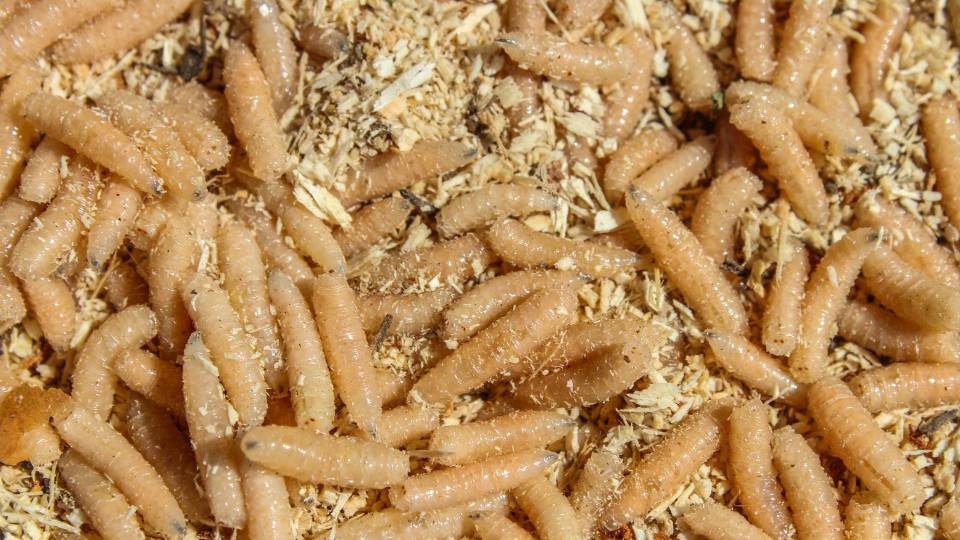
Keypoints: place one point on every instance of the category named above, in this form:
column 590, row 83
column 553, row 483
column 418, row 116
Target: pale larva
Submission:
column 512, row 336
column 40, row 179
column 807, row 487
column 372, row 223
column 323, row 43
column 941, row 127
column 527, row 84
column 392, row 524
column 387, row 172
column 155, row 434
column 492, row 203
column 576, row 14
column 134, row 115
column 15, row 216
column 522, row 246
column 115, row 218
column 548, row 509
column 393, row 386
column 718, row 210
column 512, row 432
column 411, row 314
column 782, row 313
column 666, row 466
column 755, row 368
column 824, row 299
column 449, row 487
column 490, row 300
column 626, row 103
column 800, row 44
column 7, row 7
column 171, row 260
column 312, row 457
column 205, row 102
column 829, row 90
column 109, row 512
column 882, row 332
column 269, row 515
column 677, row 170
column 94, row 382
column 910, row 385
column 691, row 71
column 866, row 519
column 275, row 52
column 632, row 158
column 406, row 423
column 751, row 461
column 206, row 142
column 595, row 487
column 279, row 255
column 16, row 135
column 733, row 148
column 108, row 451
column 124, row 286
column 347, row 351
column 447, row 261
column 853, row 436
column 311, row 391
column 157, row 380
column 231, row 348
column 870, row 57
column 717, row 522
column 781, row 149
column 52, row 304
column 496, row 527
column 12, row 306
column 754, row 42
column 554, row 57
column 81, row 129
column 212, row 436
column 681, row 257
column 950, row 517
column 252, row 115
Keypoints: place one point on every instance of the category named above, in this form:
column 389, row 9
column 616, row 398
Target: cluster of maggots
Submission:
column 233, row 368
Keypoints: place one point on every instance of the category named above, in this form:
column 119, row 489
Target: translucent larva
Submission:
column 453, row 260
column 449, row 487
column 909, row 293
column 512, row 432
column 207, row 103
column 824, row 299
column 675, row 171
column 782, row 313
column 807, row 487
column 411, row 313
column 206, row 142
column 40, row 179
column 108, row 451
column 691, row 71
column 372, row 223
column 866, row 519
column 392, row 524
column 548, row 509
column 171, row 260
column 12, row 306
column 156, row 436
column 269, row 515
column 94, row 382
column 829, row 90
column 311, row 391
column 492, row 203
column 135, row 116
column 316, row 458
column 733, row 148
column 686, row 264
column 853, row 436
column 754, row 42
column 496, row 527
column 554, row 57
column 231, row 348
column 632, row 158
column 252, row 113
column 16, row 135
column 275, row 52
column 393, row 386
column 781, row 149
column 212, row 435
column 387, row 172
column 800, row 44
column 346, row 349
column 109, row 513
column 31, row 29
column 718, row 210
column 115, row 218
column 279, row 255
column 907, row 385
column 575, row 14
column 940, row 124
column 325, row 44
column 490, row 300
column 626, row 103
column 717, row 522
column 882, row 332
column 510, row 337
column 406, row 423
column 751, row 461
column 124, row 287
column 755, row 368
column 524, row 16
column 665, row 468
column 522, row 246
column 871, row 57
column 52, row 304
column 157, row 380
column 15, row 215
column 595, row 487
column 81, row 129
column 950, row 519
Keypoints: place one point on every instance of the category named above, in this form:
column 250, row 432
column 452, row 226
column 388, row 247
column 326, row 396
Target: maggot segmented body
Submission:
column 16, row 135
column 393, row 386
column 866, row 519
column 492, row 203
column 626, row 103
column 755, row 44
column 453, row 259
column 12, row 306
column 554, row 57
column 596, row 487
column 171, row 260
column 15, row 217
column 677, row 170
column 808, row 489
column 691, row 71
column 40, row 179
column 124, row 286
column 853, row 436
column 824, row 299
column 373, row 223
column 800, row 44
column 278, row 254
column 392, row 524
column 548, row 509
column 782, row 314
column 158, row 380
column 755, row 368
column 512, row 432
column 496, row 527
column 870, row 57
column 52, row 304
column 406, row 423
column 632, row 158
column 718, row 209
column 269, row 515
column 717, row 522
column 201, row 136
column 275, row 51
column 115, row 218
column 313, row 457
column 206, row 102
column 109, row 512
column 323, row 43
column 575, row 14
column 686, row 264
column 940, row 123
column 882, row 332
column 528, row 104
column 410, row 313
column 313, row 238
column 907, row 385
column 829, row 90
column 733, row 148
